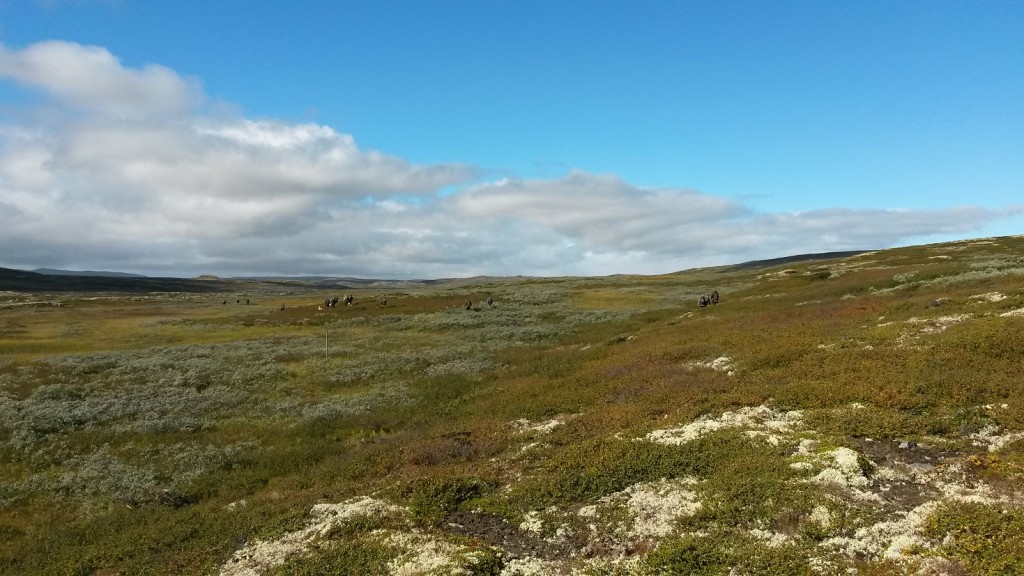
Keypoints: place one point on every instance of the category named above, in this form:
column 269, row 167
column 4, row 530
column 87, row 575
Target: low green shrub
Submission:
column 431, row 499
column 585, row 471
column 986, row 539
column 357, row 556
column 690, row 556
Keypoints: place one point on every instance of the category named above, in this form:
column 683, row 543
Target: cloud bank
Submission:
column 136, row 169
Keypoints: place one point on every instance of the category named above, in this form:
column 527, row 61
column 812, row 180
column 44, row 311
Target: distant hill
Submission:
column 25, row 281
column 790, row 259
column 347, row 282
column 53, row 280
column 57, row 272
column 56, row 280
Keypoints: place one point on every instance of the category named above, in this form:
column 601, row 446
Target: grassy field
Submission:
column 861, row 414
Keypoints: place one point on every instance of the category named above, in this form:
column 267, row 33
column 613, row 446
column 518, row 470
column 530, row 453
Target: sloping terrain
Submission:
column 35, row 282
column 847, row 413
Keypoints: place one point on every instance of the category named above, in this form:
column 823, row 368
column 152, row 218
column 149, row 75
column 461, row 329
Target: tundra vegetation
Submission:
column 862, row 414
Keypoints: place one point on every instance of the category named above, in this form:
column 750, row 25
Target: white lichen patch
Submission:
column 839, row 468
column 1016, row 312
column 529, row 447
column 869, row 513
column 806, row 447
column 956, row 485
column 894, row 539
column 897, row 530
column 258, row 557
column 890, row 474
column 990, row 438
column 655, row 506
column 939, row 324
column 530, row 566
column 720, row 364
column 759, row 419
column 990, row 297
column 616, row 525
column 848, row 462
column 897, row 534
column 642, row 512
column 821, row 516
column 773, row 439
column 532, row 522
column 824, row 566
column 779, row 274
column 422, row 554
column 771, row 539
column 524, row 426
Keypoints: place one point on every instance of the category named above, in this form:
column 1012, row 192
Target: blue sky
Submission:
column 428, row 139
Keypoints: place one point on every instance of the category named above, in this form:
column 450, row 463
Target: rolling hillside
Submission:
column 835, row 413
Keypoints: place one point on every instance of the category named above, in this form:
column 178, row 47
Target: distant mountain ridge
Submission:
column 103, row 273
column 25, row 281
column 791, row 259
column 51, row 280
column 57, row 280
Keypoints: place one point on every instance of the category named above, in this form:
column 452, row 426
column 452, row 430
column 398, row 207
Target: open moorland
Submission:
column 841, row 414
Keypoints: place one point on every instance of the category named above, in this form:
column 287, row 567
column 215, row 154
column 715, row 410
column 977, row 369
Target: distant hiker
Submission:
column 468, row 305
column 714, row 297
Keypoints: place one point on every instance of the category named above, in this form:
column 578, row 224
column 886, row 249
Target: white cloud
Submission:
column 124, row 168
column 92, row 79
column 601, row 211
